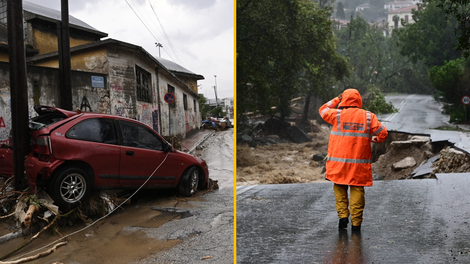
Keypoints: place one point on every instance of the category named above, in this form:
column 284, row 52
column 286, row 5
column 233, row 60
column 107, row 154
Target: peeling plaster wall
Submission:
column 176, row 120
column 43, row 86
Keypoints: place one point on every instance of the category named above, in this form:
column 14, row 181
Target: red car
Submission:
column 73, row 152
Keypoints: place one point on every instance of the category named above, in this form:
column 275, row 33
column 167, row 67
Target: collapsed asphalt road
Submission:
column 157, row 227
column 412, row 221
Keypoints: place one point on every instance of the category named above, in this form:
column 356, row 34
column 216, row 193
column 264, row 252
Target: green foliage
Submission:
column 203, row 106
column 376, row 60
column 217, row 112
column 449, row 80
column 340, row 11
column 376, row 102
column 456, row 10
column 430, row 39
column 277, row 41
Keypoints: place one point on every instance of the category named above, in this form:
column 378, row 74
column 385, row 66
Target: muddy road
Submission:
column 156, row 227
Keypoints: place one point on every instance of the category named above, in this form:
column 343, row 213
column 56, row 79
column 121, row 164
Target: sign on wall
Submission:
column 97, row 81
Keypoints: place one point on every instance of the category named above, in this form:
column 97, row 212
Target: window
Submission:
column 138, row 136
column 171, row 89
column 185, row 101
column 142, row 78
column 3, row 12
column 99, row 130
column 195, row 105
column 406, row 18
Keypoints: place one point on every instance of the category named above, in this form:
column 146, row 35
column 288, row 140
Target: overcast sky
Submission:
column 197, row 34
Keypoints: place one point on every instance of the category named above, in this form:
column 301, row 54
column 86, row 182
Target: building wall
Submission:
column 391, row 23
column 43, row 36
column 43, row 89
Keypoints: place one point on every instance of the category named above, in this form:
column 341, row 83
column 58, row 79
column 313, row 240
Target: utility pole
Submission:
column 215, row 90
column 18, row 90
column 159, row 45
column 65, row 67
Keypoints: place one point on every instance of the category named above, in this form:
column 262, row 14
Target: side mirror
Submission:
column 167, row 147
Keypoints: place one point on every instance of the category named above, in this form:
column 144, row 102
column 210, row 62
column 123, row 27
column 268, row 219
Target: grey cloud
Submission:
column 192, row 4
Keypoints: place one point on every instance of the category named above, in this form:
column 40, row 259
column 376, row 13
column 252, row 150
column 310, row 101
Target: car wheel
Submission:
column 70, row 187
column 189, row 182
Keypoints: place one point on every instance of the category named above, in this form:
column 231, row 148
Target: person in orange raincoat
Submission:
column 349, row 153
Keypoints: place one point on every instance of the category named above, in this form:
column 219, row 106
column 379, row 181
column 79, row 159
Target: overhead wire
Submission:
column 164, row 32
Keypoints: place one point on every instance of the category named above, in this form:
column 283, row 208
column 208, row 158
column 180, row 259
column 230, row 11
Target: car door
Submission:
column 93, row 141
column 141, row 154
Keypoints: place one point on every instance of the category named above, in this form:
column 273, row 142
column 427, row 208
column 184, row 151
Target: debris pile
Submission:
column 452, row 161
column 403, row 154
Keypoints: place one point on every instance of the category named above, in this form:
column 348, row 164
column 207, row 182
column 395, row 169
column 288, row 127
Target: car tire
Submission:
column 189, row 182
column 70, row 187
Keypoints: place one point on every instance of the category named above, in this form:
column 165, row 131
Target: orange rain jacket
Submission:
column 349, row 150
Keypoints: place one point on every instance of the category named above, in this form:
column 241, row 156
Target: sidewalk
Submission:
column 188, row 145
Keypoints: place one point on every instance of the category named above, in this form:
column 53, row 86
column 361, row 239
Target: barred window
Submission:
column 142, row 78
column 185, row 102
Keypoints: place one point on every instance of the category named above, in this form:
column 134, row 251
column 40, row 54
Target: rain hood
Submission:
column 351, row 97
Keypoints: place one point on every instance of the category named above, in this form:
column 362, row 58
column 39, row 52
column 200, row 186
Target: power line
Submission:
column 142, row 21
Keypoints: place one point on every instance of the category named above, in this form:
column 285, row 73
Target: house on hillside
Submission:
column 108, row 76
column 394, row 17
column 390, row 6
column 362, row 7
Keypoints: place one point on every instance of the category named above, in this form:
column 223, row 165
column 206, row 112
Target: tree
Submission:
column 203, row 106
column 451, row 80
column 276, row 41
column 377, row 62
column 457, row 10
column 340, row 11
column 430, row 39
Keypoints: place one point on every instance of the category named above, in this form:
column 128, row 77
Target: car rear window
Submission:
column 44, row 120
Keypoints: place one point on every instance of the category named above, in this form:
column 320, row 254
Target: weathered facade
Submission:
column 109, row 76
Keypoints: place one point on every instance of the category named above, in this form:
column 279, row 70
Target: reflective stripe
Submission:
column 350, row 134
column 368, row 122
column 357, row 161
column 338, row 119
column 379, row 130
column 330, row 103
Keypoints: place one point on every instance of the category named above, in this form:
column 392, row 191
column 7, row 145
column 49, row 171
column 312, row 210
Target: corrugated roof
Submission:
column 175, row 67
column 55, row 15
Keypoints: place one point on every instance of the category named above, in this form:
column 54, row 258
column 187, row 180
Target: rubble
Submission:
column 452, row 161
column 405, row 163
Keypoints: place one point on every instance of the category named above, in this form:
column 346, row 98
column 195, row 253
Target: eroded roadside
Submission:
column 402, row 156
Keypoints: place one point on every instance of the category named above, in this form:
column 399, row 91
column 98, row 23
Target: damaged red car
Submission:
column 73, row 152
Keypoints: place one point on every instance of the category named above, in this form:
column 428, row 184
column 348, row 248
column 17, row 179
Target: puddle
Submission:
column 106, row 241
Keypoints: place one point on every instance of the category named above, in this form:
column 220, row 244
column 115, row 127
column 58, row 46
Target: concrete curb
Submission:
column 200, row 142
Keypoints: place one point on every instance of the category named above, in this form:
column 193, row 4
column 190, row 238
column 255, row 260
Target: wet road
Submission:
column 421, row 114
column 415, row 221
column 208, row 233
column 158, row 226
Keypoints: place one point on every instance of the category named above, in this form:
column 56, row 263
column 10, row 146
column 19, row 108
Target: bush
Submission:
column 376, row 102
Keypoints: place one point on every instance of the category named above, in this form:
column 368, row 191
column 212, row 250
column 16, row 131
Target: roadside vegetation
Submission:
column 292, row 49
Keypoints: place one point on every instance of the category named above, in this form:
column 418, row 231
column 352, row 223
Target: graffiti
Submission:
column 146, row 116
column 121, row 109
column 85, row 104
column 115, row 87
column 155, row 122
column 2, row 123
column 104, row 105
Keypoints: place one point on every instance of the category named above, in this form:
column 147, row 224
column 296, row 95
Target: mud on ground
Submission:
column 284, row 162
column 292, row 163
